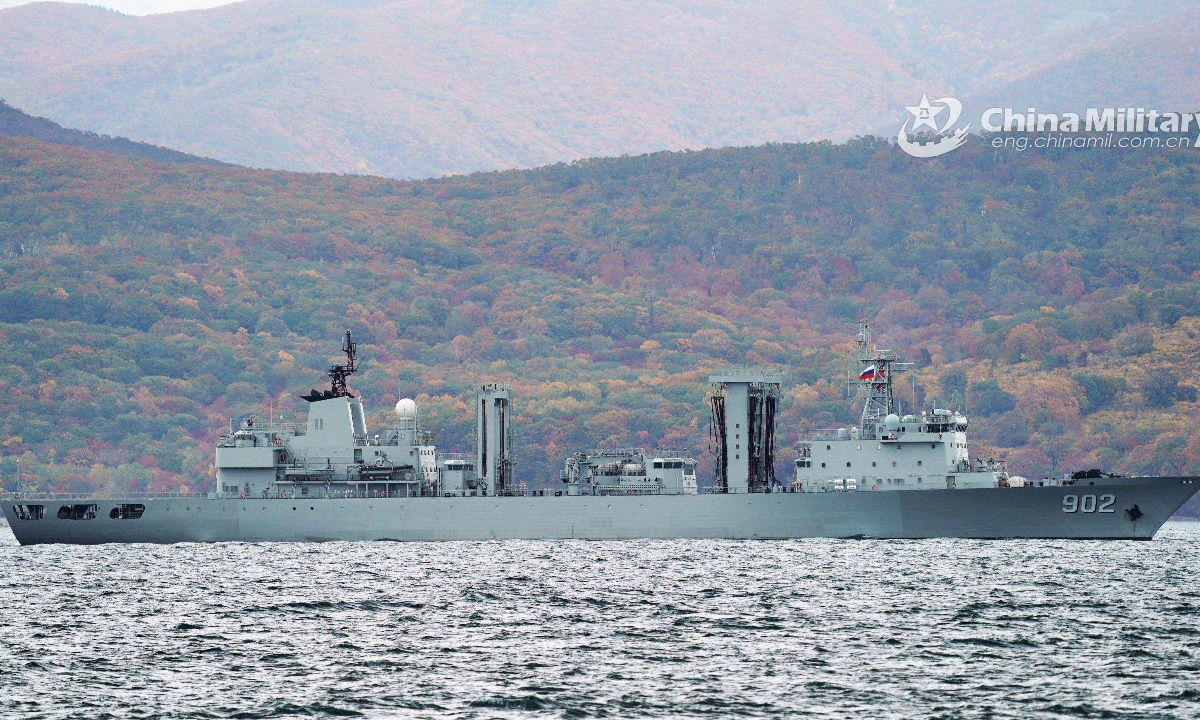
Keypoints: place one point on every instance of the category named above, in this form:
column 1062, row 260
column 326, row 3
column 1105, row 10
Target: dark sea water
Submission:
column 820, row 628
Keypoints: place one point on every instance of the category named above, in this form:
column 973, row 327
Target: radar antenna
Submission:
column 338, row 374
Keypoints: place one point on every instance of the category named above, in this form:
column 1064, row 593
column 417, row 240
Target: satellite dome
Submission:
column 891, row 422
column 406, row 408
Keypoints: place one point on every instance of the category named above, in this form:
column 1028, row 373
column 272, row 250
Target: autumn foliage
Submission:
column 1052, row 296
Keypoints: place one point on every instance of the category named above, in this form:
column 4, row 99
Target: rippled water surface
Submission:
column 823, row 628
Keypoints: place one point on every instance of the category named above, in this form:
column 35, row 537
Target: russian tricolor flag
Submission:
column 868, row 374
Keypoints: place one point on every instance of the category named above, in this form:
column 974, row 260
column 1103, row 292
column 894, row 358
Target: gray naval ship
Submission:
column 891, row 476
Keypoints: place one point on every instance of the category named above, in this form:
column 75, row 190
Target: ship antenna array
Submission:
column 338, row 373
column 877, row 372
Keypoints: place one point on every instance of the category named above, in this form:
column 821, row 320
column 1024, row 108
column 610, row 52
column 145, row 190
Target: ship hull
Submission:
column 1035, row 512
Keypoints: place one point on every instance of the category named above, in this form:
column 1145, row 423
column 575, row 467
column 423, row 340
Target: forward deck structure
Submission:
column 331, row 478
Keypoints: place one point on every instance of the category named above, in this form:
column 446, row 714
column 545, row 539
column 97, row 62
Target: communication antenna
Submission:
column 339, row 373
column 878, row 369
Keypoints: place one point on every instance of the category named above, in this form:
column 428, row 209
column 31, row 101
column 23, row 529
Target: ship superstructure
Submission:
column 331, row 455
column 630, row 471
column 887, row 451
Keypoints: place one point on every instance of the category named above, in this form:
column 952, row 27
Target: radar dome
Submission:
column 406, row 408
column 892, row 421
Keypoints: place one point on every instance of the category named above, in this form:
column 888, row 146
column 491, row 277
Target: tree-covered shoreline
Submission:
column 1055, row 296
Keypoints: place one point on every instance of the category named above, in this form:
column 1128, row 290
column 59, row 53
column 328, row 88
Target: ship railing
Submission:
column 606, row 491
column 29, row 495
column 714, row 490
column 829, row 434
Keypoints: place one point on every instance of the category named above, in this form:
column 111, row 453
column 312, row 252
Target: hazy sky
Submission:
column 138, row 7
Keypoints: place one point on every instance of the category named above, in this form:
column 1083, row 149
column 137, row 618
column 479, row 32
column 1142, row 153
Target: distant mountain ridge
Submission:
column 1154, row 66
column 14, row 123
column 434, row 87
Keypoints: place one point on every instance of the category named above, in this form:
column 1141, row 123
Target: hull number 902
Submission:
column 1088, row 503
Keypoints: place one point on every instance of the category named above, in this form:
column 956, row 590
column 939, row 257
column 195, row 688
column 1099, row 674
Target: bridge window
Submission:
column 127, row 512
column 77, row 512
column 29, row 512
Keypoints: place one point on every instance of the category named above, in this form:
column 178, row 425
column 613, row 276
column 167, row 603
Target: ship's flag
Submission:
column 868, row 374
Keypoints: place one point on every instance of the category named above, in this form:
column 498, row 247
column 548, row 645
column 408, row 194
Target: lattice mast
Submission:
column 338, row 373
column 877, row 373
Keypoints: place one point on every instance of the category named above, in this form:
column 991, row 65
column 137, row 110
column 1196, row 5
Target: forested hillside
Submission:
column 1055, row 296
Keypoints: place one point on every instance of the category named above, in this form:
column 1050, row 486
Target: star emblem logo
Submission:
column 925, row 114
